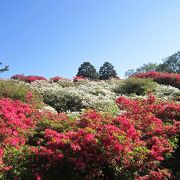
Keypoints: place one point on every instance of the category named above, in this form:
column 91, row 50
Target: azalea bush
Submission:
column 95, row 95
column 44, row 87
column 167, row 112
column 56, row 78
column 167, row 92
column 86, row 132
column 27, row 79
column 134, row 145
column 79, row 78
column 17, row 125
column 63, row 100
column 172, row 79
column 21, row 77
column 96, row 88
column 63, row 82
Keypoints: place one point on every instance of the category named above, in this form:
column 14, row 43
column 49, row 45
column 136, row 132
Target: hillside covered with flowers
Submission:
column 77, row 129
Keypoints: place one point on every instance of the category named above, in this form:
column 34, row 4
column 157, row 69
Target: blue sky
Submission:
column 49, row 38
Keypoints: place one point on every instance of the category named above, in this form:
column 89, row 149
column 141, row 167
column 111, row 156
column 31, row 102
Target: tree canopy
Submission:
column 87, row 70
column 144, row 68
column 107, row 71
column 170, row 64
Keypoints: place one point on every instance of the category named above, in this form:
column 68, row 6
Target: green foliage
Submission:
column 107, row 71
column 6, row 68
column 147, row 67
column 87, row 70
column 117, row 88
column 20, row 159
column 129, row 72
column 136, row 86
column 14, row 90
column 59, row 122
column 171, row 64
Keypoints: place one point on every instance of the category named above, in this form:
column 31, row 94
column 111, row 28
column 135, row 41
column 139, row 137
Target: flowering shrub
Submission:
column 58, row 122
column 17, row 124
column 167, row 92
column 30, row 79
column 56, row 78
column 21, row 77
column 162, row 78
column 100, row 146
column 27, row 79
column 49, row 109
column 44, row 87
column 63, row 82
column 63, row 100
column 168, row 112
column 45, row 145
column 130, row 146
column 96, row 88
column 79, row 78
column 139, row 143
column 56, row 96
column 95, row 95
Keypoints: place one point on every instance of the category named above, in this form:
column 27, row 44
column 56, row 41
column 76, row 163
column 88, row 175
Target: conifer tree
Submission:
column 87, row 70
column 107, row 71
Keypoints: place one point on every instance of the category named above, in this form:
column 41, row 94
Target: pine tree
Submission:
column 87, row 70
column 107, row 71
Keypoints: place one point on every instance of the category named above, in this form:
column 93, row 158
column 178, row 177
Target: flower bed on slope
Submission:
column 134, row 145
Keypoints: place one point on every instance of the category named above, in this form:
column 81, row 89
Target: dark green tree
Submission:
column 107, row 71
column 6, row 68
column 171, row 64
column 87, row 70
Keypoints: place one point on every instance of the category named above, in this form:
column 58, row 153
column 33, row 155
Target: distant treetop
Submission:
column 107, row 71
column 6, row 68
column 87, row 70
column 170, row 64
